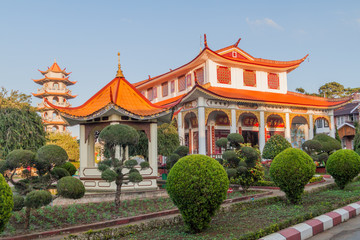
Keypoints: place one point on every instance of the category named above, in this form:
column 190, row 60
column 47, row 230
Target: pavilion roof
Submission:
column 45, row 79
column 118, row 94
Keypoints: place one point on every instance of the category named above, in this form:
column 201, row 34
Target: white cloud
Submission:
column 264, row 22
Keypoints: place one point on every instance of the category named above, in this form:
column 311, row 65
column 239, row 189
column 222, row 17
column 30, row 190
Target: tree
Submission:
column 67, row 142
column 14, row 99
column 142, row 148
column 6, row 203
column 168, row 139
column 119, row 137
column 47, row 161
column 331, row 90
column 20, row 129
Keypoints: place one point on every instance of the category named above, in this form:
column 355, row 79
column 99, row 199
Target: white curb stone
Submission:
column 327, row 221
column 344, row 214
column 274, row 236
column 305, row 230
column 356, row 206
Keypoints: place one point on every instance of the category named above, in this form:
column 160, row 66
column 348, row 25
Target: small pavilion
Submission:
column 119, row 102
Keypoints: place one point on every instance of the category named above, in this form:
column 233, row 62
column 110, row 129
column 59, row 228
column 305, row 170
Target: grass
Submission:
column 250, row 220
column 55, row 217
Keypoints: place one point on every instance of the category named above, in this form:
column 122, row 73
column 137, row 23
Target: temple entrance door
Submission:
column 299, row 131
column 251, row 137
column 219, row 133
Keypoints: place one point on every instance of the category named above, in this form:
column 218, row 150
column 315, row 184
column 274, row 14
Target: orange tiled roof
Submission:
column 44, row 79
column 55, row 68
column 170, row 100
column 241, row 95
column 46, row 93
column 118, row 92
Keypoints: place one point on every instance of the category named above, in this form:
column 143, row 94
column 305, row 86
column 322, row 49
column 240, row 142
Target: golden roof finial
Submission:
column 119, row 72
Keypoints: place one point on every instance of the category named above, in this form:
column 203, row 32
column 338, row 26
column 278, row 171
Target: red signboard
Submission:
column 230, row 190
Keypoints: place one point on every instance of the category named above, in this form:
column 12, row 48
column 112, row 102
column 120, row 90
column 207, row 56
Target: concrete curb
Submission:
column 316, row 225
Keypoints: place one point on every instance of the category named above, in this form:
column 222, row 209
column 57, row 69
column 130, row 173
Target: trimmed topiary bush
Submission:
column 275, row 145
column 328, row 143
column 291, row 170
column 18, row 202
column 59, row 173
column 182, row 151
column 37, row 199
column 197, row 185
column 343, row 165
column 6, row 203
column 235, row 139
column 70, row 187
column 69, row 167
column 221, row 143
column 50, row 156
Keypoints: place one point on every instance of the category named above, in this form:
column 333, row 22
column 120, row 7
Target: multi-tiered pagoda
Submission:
column 54, row 89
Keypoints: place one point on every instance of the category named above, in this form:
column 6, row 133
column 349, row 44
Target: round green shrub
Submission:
column 197, row 185
column 221, row 143
column 343, row 165
column 275, row 145
column 52, row 155
column 37, row 199
column 328, row 143
column 70, row 187
column 18, row 202
column 182, row 151
column 6, row 203
column 69, row 167
column 231, row 158
column 291, row 170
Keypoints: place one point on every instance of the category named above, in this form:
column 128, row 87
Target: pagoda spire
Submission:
column 119, row 72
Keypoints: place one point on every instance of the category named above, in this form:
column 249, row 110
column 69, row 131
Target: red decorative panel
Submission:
column 194, row 122
column 188, row 80
column 165, row 89
column 273, row 81
column 234, row 54
column 172, row 87
column 249, row 78
column 222, row 120
column 250, row 121
column 181, row 83
column 150, row 94
column 190, row 141
column 240, row 131
column 223, row 75
column 154, row 92
column 200, row 75
column 275, row 122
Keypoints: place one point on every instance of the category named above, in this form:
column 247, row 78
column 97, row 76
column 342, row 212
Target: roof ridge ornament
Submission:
column 119, row 72
column 237, row 43
column 205, row 41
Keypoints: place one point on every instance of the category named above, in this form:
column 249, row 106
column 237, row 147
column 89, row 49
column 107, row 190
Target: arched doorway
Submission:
column 218, row 126
column 274, row 126
column 299, row 131
column 248, row 127
column 322, row 125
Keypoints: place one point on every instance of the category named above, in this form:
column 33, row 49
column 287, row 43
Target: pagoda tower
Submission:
column 55, row 90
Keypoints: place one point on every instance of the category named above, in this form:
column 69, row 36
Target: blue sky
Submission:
column 153, row 36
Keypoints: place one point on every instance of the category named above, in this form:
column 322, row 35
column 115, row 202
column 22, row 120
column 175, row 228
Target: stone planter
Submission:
column 320, row 170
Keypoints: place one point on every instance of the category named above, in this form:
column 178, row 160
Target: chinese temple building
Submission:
column 230, row 91
column 119, row 102
column 54, row 89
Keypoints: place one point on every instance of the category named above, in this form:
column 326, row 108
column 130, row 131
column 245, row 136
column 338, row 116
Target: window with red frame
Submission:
column 181, row 83
column 155, row 92
column 150, row 95
column 249, row 78
column 273, row 81
column 188, row 80
column 223, row 75
column 165, row 89
column 199, row 73
column 172, row 86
